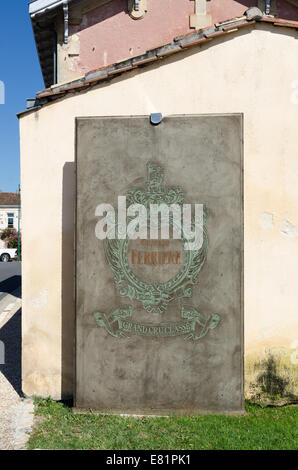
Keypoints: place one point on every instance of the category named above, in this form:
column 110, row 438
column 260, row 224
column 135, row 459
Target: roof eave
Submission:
column 40, row 7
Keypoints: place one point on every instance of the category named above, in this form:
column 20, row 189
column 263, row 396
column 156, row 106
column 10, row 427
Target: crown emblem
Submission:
column 155, row 297
column 155, row 191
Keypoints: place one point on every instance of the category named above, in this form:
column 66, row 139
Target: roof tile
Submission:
column 195, row 42
column 9, row 199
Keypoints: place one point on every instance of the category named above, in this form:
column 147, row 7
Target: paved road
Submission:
column 10, row 277
column 16, row 413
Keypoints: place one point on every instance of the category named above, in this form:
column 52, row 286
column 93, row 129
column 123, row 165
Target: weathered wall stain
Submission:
column 271, row 378
column 288, row 229
column 266, row 220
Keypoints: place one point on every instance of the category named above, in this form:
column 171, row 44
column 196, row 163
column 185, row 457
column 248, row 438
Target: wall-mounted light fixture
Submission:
column 155, row 119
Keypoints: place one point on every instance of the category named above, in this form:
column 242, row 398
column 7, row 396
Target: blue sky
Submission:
column 20, row 72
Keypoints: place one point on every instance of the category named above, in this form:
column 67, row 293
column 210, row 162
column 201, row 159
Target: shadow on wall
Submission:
column 286, row 9
column 283, row 8
column 102, row 13
column 68, row 282
column 108, row 10
column 11, row 337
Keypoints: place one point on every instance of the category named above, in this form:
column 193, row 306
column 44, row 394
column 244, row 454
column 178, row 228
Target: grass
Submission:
column 261, row 429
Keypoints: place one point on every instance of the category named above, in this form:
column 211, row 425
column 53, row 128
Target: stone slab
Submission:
column 182, row 352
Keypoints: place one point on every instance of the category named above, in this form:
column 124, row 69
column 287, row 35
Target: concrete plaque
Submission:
column 159, row 265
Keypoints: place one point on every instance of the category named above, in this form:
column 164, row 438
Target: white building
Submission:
column 9, row 212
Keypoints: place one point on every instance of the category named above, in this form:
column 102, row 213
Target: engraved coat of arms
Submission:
column 155, row 296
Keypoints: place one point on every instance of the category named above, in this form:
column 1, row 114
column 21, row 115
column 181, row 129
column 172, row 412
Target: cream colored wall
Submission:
column 251, row 73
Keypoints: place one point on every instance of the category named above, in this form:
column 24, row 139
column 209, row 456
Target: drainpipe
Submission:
column 55, row 41
column 66, row 18
column 268, row 7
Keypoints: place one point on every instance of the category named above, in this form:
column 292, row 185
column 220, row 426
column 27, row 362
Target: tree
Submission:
column 8, row 232
column 10, row 236
column 12, row 240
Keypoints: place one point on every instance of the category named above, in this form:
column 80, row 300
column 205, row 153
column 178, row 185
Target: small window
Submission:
column 10, row 220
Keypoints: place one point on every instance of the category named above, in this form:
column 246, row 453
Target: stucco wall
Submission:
column 251, row 73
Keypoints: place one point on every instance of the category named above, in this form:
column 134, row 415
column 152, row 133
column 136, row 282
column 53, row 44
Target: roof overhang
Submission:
column 43, row 15
column 41, row 7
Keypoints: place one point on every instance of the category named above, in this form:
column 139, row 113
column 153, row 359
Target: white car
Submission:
column 7, row 254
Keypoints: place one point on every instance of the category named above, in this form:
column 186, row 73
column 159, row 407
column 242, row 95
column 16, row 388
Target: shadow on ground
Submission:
column 11, row 285
column 11, row 337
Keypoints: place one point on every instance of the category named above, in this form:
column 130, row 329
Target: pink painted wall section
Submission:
column 108, row 34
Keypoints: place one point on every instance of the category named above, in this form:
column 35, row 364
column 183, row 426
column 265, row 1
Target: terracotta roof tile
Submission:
column 288, row 24
column 168, row 50
column 9, row 199
column 144, row 60
column 120, row 70
column 214, row 34
column 194, row 42
column 244, row 24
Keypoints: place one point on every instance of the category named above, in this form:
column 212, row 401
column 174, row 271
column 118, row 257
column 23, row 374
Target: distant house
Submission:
column 9, row 211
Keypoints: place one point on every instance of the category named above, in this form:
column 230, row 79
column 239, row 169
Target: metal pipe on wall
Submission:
column 268, row 7
column 66, row 18
column 55, row 75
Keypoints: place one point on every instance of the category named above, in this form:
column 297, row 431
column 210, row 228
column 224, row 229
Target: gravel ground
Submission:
column 16, row 412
